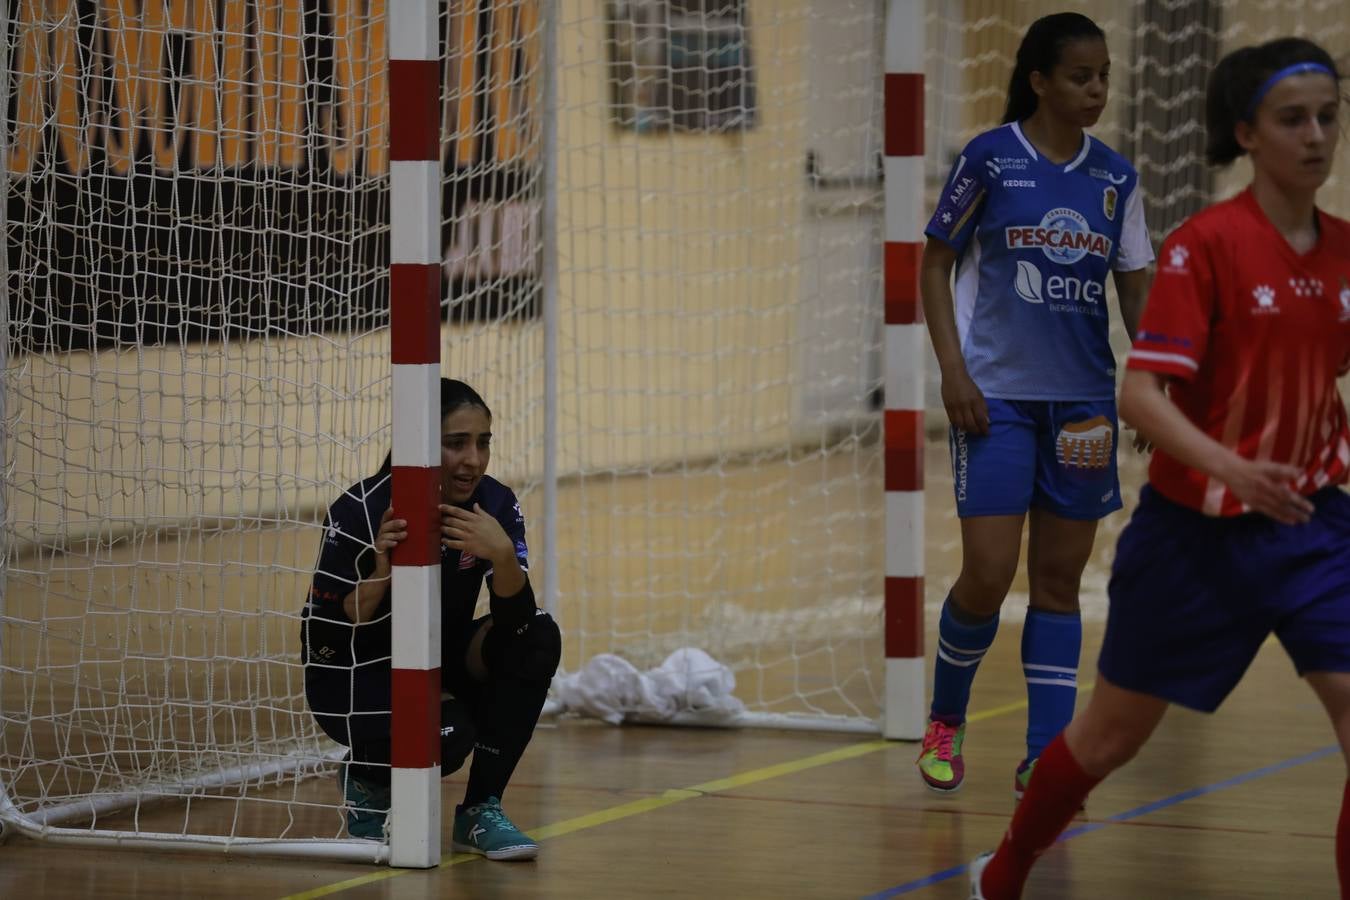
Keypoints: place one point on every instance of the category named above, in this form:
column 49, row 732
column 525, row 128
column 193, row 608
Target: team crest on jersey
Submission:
column 1109, row 198
column 1063, row 235
column 1306, row 287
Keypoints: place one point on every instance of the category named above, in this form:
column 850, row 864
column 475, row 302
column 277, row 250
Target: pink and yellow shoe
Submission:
column 940, row 761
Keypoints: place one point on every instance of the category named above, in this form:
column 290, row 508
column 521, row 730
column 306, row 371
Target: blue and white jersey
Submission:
column 1034, row 242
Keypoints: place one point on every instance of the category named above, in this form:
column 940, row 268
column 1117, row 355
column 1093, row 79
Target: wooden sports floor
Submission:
column 1241, row 804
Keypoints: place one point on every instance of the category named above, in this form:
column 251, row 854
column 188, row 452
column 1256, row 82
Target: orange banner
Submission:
column 201, row 85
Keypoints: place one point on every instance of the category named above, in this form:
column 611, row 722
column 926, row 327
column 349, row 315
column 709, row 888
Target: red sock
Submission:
column 1057, row 791
column 1342, row 843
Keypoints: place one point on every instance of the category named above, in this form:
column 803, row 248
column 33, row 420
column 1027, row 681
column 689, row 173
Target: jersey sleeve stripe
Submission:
column 956, row 173
column 970, row 211
column 1136, row 251
column 1166, row 359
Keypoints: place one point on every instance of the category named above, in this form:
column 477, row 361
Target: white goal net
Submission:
column 197, row 352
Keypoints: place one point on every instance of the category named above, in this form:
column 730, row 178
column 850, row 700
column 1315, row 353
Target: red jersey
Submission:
column 1254, row 336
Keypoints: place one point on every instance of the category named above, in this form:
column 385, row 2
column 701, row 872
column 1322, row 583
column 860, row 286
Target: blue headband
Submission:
column 1296, row 69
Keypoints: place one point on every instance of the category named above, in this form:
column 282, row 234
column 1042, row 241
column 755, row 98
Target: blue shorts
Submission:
column 1055, row 455
column 1194, row 597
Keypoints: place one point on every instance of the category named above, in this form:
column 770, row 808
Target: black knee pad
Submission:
column 531, row 651
column 457, row 734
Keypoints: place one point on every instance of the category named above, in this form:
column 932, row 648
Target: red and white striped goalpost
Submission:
column 904, row 715
column 414, row 137
column 415, row 329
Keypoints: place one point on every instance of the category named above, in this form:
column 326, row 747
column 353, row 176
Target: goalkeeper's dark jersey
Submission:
column 347, row 556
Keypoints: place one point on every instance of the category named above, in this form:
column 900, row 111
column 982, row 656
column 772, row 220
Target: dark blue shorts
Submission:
column 1055, row 455
column 352, row 706
column 1194, row 597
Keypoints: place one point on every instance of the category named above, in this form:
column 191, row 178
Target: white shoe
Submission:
column 976, row 869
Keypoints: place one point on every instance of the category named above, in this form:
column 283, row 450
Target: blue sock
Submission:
column 1050, row 645
column 960, row 649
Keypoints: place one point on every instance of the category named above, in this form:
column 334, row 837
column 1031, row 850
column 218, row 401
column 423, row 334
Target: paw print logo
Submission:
column 1265, row 296
column 1177, row 257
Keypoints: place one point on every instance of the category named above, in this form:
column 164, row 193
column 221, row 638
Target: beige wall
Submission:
column 680, row 257
column 157, row 438
column 682, row 266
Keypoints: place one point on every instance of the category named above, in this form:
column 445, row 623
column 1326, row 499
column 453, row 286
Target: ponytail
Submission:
column 1237, row 84
column 1040, row 51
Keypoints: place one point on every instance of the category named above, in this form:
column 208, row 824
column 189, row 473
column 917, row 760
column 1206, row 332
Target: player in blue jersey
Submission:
column 1034, row 216
column 495, row 671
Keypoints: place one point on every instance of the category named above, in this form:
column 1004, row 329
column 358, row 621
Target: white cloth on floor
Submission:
column 611, row 688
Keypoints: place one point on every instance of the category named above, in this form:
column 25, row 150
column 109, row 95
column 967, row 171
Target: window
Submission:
column 680, row 65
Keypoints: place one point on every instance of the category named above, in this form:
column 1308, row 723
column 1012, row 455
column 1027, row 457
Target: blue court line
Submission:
column 946, row 874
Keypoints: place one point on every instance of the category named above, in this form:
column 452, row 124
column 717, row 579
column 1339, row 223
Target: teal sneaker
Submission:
column 485, row 829
column 367, row 806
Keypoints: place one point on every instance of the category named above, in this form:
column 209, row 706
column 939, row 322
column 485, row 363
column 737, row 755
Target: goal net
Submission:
column 685, row 371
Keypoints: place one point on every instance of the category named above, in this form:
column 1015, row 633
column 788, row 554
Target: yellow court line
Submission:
column 1084, row 688
column 669, row 798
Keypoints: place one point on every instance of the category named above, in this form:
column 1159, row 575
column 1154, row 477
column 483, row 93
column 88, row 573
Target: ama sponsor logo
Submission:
column 963, row 194
column 1063, row 235
column 960, row 190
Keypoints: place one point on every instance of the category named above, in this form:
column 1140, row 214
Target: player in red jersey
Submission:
column 1243, row 529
